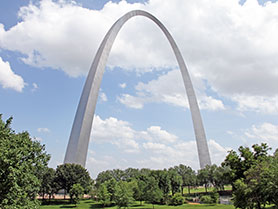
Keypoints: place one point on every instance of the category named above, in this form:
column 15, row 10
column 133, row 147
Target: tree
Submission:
column 245, row 160
column 103, row 195
column 272, row 173
column 103, row 177
column 76, row 193
column 138, row 190
column 163, row 179
column 152, row 192
column 175, row 180
column 250, row 176
column 48, row 184
column 111, row 185
column 69, row 174
column 203, row 176
column 188, row 176
column 123, row 194
column 20, row 159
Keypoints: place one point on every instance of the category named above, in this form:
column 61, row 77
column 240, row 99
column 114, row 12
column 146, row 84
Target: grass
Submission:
column 90, row 204
column 202, row 189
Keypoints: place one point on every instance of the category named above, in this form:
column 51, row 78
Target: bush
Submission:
column 177, row 199
column 206, row 199
column 214, row 196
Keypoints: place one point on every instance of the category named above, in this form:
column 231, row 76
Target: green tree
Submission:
column 250, row 176
column 76, row 193
column 103, row 177
column 272, row 185
column 175, row 180
column 69, row 174
column 163, row 179
column 188, row 176
column 240, row 163
column 203, row 177
column 103, row 195
column 138, row 190
column 111, row 185
column 48, row 184
column 152, row 192
column 20, row 159
column 123, row 194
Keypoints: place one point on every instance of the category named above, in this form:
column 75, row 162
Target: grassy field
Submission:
column 90, row 204
column 202, row 189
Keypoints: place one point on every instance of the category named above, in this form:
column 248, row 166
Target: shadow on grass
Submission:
column 68, row 206
column 97, row 205
column 56, row 202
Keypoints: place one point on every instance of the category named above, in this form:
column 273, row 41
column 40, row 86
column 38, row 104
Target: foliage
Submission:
column 152, row 192
column 252, row 177
column 177, row 199
column 206, row 199
column 123, row 194
column 138, row 190
column 188, row 176
column 69, row 174
column 103, row 195
column 163, row 179
column 111, row 185
column 76, row 193
column 48, row 184
column 20, row 159
column 203, row 176
column 214, row 196
column 175, row 180
column 239, row 164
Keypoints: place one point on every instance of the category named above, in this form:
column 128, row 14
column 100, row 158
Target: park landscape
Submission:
column 28, row 182
column 140, row 158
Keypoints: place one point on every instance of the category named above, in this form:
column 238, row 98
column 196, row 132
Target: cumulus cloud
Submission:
column 35, row 87
column 103, row 97
column 122, row 85
column 114, row 131
column 8, row 79
column 169, row 88
column 266, row 132
column 232, row 47
column 43, row 130
column 157, row 147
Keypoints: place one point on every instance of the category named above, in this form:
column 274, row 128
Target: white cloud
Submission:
column 114, row 131
column 43, row 130
column 35, row 87
column 103, row 97
column 266, row 132
column 8, row 79
column 157, row 134
column 169, row 88
column 232, row 47
column 265, row 104
column 157, row 147
column 122, row 85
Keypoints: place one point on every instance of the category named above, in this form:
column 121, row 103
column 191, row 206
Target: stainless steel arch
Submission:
column 80, row 134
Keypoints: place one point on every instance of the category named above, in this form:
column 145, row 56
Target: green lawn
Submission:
column 90, row 204
column 202, row 189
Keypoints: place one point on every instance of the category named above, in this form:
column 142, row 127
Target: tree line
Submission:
column 24, row 174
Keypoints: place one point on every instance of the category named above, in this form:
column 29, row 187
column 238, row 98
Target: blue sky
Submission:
column 142, row 117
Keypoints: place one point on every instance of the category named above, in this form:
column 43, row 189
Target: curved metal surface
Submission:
column 80, row 134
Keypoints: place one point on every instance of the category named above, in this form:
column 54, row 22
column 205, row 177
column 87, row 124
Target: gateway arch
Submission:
column 80, row 133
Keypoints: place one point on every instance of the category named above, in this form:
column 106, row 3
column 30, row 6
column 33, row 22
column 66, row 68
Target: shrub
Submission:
column 177, row 199
column 214, row 196
column 206, row 199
